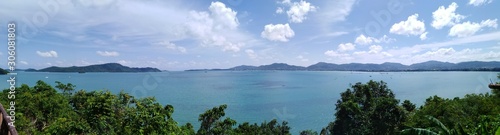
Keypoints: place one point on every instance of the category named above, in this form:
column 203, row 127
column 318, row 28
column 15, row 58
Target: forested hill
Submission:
column 424, row 66
column 108, row 67
column 3, row 71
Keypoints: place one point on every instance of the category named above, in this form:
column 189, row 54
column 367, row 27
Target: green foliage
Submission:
column 3, row 71
column 266, row 128
column 408, row 106
column 367, row 109
column 212, row 125
column 308, row 132
column 42, row 110
column 65, row 88
column 456, row 113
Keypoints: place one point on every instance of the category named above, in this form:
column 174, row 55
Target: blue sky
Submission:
column 178, row 34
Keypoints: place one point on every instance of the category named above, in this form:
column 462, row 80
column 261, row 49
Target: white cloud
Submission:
column 468, row 29
column 385, row 39
column 386, row 54
column 232, row 47
column 172, row 46
column 360, row 53
column 366, row 40
column 108, row 54
column 335, row 11
column 23, row 62
column 363, row 40
column 452, row 55
column 346, row 47
column 479, row 2
column 374, row 49
column 223, row 15
column 298, row 11
column 333, row 53
column 412, row 26
column 492, row 36
column 217, row 27
column 489, row 23
column 286, row 2
column 124, row 62
column 446, row 16
column 301, row 58
column 251, row 54
column 47, row 54
column 279, row 10
column 423, row 36
column 440, row 52
column 278, row 32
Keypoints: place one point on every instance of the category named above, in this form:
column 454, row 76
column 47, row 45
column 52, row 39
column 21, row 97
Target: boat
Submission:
column 81, row 72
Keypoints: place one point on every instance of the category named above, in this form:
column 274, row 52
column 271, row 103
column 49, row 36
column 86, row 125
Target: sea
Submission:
column 305, row 99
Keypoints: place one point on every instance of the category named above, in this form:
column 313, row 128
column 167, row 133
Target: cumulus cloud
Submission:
column 365, row 40
column 301, row 58
column 47, row 54
column 468, row 29
column 108, row 54
column 374, row 49
column 479, row 2
column 172, row 46
column 278, row 32
column 218, row 27
column 423, row 36
column 346, row 47
column 251, row 54
column 279, row 10
column 332, row 53
column 446, row 16
column 224, row 15
column 452, row 55
column 412, row 26
column 299, row 10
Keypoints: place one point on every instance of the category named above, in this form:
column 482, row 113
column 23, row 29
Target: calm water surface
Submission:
column 306, row 99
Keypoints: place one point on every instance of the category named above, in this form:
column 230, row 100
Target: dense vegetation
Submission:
column 42, row 110
column 3, row 71
column 370, row 108
column 108, row 67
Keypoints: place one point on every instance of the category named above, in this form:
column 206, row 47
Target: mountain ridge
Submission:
column 107, row 67
column 386, row 66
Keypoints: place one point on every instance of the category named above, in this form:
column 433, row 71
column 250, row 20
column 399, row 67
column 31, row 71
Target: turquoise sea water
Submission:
column 306, row 99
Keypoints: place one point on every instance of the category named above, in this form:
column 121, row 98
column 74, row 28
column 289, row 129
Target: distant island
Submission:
column 384, row 67
column 3, row 71
column 108, row 67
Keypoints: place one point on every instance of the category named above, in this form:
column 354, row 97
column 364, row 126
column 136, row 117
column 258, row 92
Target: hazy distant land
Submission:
column 424, row 66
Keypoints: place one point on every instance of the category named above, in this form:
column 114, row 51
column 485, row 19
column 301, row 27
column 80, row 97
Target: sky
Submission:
column 179, row 34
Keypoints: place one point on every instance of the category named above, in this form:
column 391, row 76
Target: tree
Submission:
column 367, row 109
column 65, row 88
column 210, row 120
column 308, row 132
column 410, row 107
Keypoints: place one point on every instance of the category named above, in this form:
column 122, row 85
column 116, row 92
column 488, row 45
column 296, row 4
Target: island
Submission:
column 108, row 67
column 384, row 67
column 3, row 71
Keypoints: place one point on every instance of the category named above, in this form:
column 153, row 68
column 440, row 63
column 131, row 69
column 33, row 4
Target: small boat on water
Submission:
column 81, row 72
